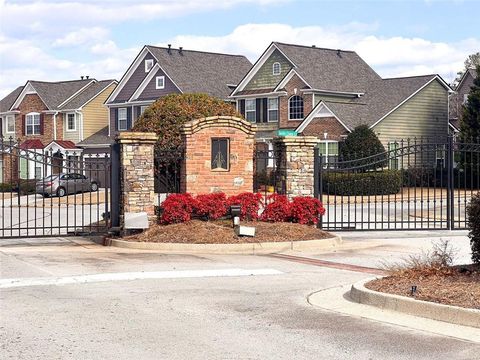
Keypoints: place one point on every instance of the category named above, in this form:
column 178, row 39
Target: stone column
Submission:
column 296, row 164
column 137, row 173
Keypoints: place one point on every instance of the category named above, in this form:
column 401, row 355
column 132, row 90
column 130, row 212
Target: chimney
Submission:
column 169, row 48
column 87, row 77
column 180, row 50
column 81, row 77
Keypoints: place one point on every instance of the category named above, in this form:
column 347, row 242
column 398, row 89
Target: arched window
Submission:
column 277, row 68
column 295, row 108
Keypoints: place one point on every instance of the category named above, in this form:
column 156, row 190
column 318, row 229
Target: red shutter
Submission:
column 23, row 125
column 42, row 122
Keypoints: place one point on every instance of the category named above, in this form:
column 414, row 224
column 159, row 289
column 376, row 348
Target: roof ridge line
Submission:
column 311, row 47
column 409, row 77
column 198, row 51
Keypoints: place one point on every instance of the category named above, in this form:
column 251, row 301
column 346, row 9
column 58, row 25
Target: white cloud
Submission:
column 82, row 36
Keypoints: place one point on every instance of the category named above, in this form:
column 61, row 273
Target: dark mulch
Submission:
column 457, row 285
column 221, row 232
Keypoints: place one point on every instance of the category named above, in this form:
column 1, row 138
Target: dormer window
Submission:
column 160, row 82
column 148, row 65
column 277, row 68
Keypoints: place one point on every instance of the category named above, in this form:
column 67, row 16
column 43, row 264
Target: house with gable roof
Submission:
column 460, row 97
column 159, row 71
column 42, row 117
column 306, row 90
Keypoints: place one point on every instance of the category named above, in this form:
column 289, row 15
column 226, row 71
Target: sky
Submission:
column 54, row 40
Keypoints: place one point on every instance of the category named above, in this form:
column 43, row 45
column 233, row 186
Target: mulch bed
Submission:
column 221, row 232
column 457, row 285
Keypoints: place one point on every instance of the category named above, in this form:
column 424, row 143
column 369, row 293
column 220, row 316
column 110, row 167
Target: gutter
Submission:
column 55, row 125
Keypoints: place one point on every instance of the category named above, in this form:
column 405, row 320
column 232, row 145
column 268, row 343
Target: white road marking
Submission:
column 128, row 276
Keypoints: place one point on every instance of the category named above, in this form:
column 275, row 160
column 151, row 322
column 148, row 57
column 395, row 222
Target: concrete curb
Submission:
column 245, row 249
column 447, row 313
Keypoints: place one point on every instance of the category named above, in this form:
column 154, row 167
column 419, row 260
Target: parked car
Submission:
column 63, row 184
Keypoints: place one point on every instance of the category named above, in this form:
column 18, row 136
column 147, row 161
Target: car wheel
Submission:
column 61, row 192
column 94, row 186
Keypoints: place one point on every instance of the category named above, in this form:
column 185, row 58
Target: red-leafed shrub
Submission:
column 177, row 208
column 306, row 210
column 277, row 209
column 249, row 204
column 213, row 206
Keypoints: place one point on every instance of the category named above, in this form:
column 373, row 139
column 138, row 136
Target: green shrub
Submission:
column 25, row 186
column 369, row 183
column 4, row 187
column 363, row 142
column 473, row 218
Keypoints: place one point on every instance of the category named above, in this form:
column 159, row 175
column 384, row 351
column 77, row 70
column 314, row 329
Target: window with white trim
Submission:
column 393, row 155
column 276, row 68
column 148, row 65
column 440, row 156
column 143, row 108
column 465, row 98
column 251, row 110
column 295, row 108
column 122, row 119
column 160, row 82
column 10, row 124
column 32, row 124
column 71, row 123
column 328, row 149
column 272, row 109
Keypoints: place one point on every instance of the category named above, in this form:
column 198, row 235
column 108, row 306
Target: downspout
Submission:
column 55, row 125
column 80, row 123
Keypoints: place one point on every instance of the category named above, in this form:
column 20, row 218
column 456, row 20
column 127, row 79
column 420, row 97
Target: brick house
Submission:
column 159, row 71
column 459, row 98
column 305, row 90
column 54, row 117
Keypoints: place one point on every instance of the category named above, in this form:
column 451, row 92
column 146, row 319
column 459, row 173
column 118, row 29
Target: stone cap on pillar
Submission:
column 297, row 140
column 130, row 137
column 193, row 126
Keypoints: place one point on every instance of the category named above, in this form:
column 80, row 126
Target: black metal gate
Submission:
column 45, row 193
column 417, row 184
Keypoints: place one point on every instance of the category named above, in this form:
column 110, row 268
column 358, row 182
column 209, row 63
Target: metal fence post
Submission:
column 115, row 185
column 450, row 184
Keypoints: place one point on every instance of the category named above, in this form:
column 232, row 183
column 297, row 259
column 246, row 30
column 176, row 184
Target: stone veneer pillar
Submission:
column 137, row 173
column 296, row 164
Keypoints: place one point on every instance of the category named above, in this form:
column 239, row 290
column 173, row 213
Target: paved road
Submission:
column 204, row 317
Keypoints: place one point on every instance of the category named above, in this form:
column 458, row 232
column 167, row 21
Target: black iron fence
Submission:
column 415, row 184
column 53, row 192
column 269, row 172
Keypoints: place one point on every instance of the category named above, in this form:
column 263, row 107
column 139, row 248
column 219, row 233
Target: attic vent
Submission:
column 87, row 77
column 314, row 46
column 81, row 77
column 339, row 53
column 180, row 50
column 169, row 48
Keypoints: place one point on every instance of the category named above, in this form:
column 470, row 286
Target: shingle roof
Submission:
column 7, row 102
column 99, row 138
column 202, row 72
column 86, row 95
column 380, row 98
column 329, row 69
column 54, row 93
column 31, row 144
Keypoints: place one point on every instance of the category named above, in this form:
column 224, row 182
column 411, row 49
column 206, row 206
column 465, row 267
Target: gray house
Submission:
column 459, row 98
column 159, row 71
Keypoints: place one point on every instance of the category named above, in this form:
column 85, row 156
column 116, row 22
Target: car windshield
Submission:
column 49, row 178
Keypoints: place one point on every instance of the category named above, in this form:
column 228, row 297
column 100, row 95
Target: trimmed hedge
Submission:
column 4, row 187
column 473, row 218
column 357, row 184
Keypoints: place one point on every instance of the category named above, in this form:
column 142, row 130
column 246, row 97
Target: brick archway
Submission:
column 218, row 155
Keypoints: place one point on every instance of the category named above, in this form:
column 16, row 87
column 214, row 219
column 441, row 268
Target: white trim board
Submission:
column 289, row 77
column 321, row 110
column 258, row 64
column 128, row 74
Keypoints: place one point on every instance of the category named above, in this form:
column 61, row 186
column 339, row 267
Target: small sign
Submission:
column 136, row 220
column 286, row 132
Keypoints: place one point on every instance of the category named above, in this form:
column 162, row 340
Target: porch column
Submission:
column 296, row 164
column 137, row 174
